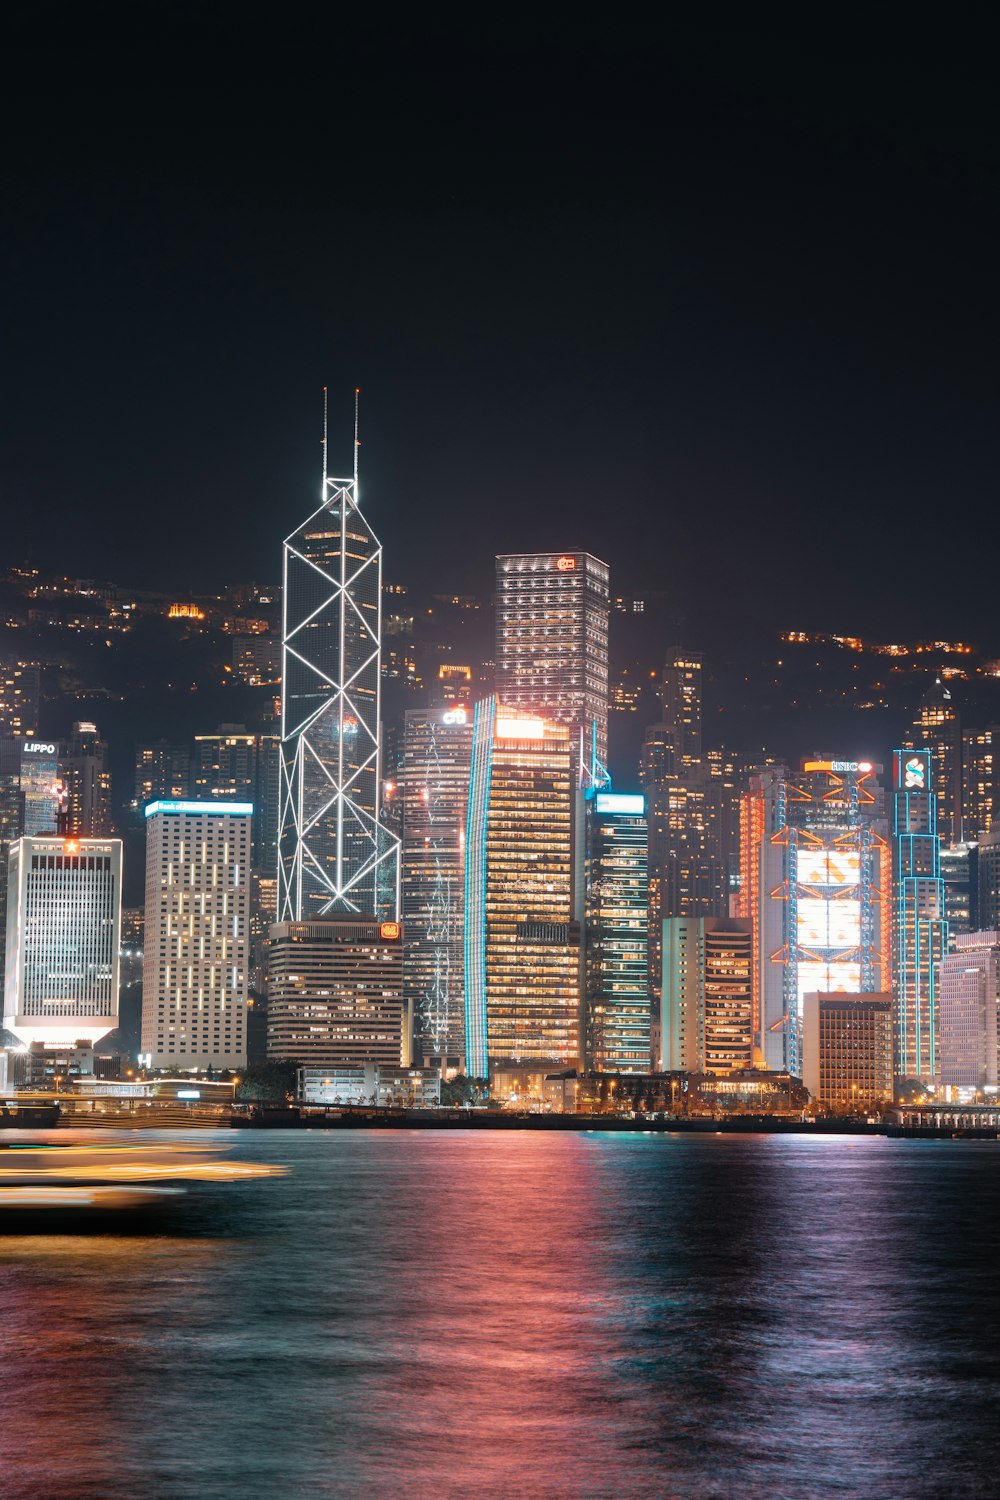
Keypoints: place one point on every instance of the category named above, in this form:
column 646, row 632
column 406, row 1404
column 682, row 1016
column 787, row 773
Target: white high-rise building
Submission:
column 197, row 934
column 63, row 920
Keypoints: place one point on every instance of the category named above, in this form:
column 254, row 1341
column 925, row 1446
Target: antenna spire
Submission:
column 357, row 440
column 323, row 440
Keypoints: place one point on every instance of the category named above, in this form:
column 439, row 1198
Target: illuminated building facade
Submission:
column 706, row 1002
column 969, row 1000
column 63, row 921
column 960, row 873
column 616, row 979
column 552, row 642
column 335, row 993
column 815, row 873
column 988, row 882
column 522, row 944
column 196, row 940
column 691, row 801
column 19, row 693
column 11, row 823
column 162, row 773
column 920, row 928
column 84, row 769
column 980, row 749
column 232, row 765
column 847, row 1051
column 336, row 856
column 434, row 792
column 40, row 782
column 937, row 728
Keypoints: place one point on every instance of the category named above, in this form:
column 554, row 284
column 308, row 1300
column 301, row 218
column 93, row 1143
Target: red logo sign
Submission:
column 389, row 932
column 566, row 564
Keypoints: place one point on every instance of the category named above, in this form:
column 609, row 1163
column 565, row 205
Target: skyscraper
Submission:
column 434, row 791
column 19, row 693
column 336, row 857
column 616, row 932
column 162, row 773
column 969, row 1003
column 84, row 769
column 552, row 642
column 196, row 939
column 233, row 765
column 705, row 1011
column 937, row 728
column 980, row 763
column 63, row 919
column 815, row 875
column 522, row 944
column 988, row 904
column 335, row 993
column 920, row 928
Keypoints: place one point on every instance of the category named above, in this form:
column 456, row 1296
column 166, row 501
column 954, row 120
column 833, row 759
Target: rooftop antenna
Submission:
column 325, row 405
column 357, row 441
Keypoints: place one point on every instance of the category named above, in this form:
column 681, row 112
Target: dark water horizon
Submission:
column 521, row 1314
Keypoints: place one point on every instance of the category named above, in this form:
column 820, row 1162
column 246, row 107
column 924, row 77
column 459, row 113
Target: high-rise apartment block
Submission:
column 969, row 1002
column 19, row 694
column 336, row 856
column 980, row 765
column 522, row 943
column 434, row 792
column 815, row 882
column 704, row 1021
column 552, row 643
column 335, row 993
column 162, row 773
column 616, row 929
column 920, row 927
column 196, row 934
column 847, row 1051
column 63, row 919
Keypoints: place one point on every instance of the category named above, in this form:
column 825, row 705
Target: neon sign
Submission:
column 915, row 775
column 389, row 931
column 457, row 715
column 566, row 564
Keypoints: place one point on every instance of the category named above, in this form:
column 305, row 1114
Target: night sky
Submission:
column 719, row 305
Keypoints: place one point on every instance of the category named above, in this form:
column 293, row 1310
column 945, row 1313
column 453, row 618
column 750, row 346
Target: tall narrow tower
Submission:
column 335, row 857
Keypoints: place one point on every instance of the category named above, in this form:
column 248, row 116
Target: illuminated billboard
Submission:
column 828, row 867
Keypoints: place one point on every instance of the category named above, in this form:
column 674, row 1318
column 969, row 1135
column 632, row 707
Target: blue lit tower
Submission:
column 614, row 899
column 920, row 929
column 335, row 856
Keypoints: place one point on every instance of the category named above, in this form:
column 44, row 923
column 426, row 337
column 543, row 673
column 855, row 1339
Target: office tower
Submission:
column 690, row 800
column 847, row 1051
column 988, row 906
column 937, row 727
column 980, row 747
column 162, row 773
column 196, row 934
column 41, row 785
column 815, row 873
column 335, row 854
column 11, row 823
column 335, row 993
column 522, row 944
column 552, row 644
column 969, row 998
column 19, row 693
column 681, row 699
column 63, row 919
column 705, row 1009
column 614, row 872
column 235, row 766
column 434, row 795
column 86, row 775
column 920, row 929
column 960, row 873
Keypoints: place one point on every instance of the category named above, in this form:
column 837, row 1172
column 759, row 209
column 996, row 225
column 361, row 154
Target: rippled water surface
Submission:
column 522, row 1315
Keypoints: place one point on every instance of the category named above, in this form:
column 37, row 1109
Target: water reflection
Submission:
column 522, row 1314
